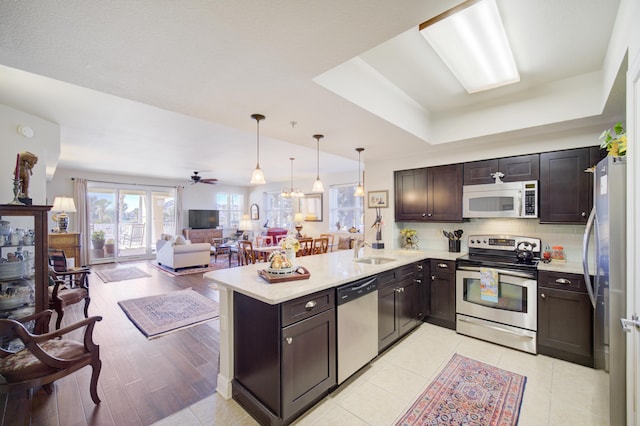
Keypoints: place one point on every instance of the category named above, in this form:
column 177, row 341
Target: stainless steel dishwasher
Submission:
column 357, row 318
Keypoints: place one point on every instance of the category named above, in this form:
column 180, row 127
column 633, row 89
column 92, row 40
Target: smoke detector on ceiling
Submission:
column 26, row 131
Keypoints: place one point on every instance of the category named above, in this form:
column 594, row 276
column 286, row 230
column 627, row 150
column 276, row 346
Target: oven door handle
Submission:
column 500, row 271
column 500, row 329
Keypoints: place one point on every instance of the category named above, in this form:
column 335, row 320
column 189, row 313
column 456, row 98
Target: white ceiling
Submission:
column 162, row 88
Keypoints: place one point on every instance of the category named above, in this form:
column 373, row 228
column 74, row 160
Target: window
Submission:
column 345, row 210
column 278, row 211
column 230, row 207
column 132, row 217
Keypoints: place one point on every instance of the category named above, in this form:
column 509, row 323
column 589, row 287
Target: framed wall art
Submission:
column 378, row 199
column 255, row 212
column 311, row 207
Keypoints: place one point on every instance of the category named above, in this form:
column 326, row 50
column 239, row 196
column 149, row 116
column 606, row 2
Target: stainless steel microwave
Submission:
column 507, row 199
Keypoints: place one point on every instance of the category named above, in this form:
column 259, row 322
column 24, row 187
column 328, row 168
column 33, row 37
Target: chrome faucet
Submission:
column 357, row 245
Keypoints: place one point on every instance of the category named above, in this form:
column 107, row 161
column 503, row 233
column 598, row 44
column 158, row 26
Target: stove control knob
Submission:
column 471, row 242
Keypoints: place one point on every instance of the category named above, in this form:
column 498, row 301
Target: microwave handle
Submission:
column 520, row 207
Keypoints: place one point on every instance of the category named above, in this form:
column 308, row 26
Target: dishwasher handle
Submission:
column 348, row 292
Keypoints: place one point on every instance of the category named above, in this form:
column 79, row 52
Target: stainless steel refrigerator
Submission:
column 606, row 227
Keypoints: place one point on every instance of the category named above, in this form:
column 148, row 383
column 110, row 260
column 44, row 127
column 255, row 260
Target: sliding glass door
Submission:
column 129, row 218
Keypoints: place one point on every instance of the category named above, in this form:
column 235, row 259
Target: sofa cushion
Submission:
column 344, row 243
column 179, row 240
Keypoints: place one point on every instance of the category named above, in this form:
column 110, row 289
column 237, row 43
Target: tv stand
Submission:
column 202, row 235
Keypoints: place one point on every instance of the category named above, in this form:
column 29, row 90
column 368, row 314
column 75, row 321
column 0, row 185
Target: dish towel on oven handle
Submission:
column 489, row 285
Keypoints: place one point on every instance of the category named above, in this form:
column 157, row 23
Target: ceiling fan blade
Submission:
column 211, row 181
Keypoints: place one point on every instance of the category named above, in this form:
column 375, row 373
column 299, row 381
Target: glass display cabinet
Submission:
column 23, row 261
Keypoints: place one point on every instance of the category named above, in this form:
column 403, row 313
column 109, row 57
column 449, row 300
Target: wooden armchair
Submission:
column 330, row 238
column 34, row 360
column 68, row 288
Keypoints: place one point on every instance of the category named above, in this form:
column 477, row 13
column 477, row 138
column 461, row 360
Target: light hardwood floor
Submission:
column 142, row 381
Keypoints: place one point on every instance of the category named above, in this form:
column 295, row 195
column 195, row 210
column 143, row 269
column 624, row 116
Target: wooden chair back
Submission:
column 68, row 288
column 330, row 238
column 320, row 245
column 306, row 247
column 57, row 260
column 246, row 255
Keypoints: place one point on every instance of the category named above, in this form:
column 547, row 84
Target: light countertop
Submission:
column 566, row 267
column 326, row 270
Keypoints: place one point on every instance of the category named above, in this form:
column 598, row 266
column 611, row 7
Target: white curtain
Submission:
column 82, row 219
column 179, row 211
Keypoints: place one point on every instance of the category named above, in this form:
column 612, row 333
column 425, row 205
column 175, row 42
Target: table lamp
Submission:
column 298, row 218
column 244, row 226
column 62, row 205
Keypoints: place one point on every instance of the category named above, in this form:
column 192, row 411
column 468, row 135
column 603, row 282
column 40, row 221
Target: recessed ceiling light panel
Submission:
column 471, row 40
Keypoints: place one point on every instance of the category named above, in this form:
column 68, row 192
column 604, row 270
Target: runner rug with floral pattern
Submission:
column 469, row 392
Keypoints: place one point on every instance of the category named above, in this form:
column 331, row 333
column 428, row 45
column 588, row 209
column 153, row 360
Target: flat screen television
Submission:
column 204, row 219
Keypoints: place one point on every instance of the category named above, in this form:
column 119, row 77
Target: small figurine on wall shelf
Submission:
column 27, row 162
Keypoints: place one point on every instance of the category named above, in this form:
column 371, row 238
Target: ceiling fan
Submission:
column 196, row 178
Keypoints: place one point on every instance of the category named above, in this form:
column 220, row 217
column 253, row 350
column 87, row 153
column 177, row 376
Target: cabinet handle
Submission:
column 583, row 214
column 289, row 340
column 563, row 281
column 418, row 281
column 399, row 290
column 424, row 214
column 419, row 267
column 433, row 277
column 429, row 215
column 310, row 305
column 543, row 296
column 442, row 265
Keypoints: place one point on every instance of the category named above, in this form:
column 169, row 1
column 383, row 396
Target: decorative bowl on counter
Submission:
column 283, row 271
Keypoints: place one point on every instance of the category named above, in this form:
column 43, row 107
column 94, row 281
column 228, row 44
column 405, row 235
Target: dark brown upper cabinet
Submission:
column 519, row 168
column 566, row 189
column 431, row 194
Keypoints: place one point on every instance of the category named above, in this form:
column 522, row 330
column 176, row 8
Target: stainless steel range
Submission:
column 496, row 290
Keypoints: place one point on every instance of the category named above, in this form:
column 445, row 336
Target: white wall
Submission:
column 45, row 144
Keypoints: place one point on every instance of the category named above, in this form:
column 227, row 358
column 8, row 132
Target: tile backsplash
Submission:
column 431, row 238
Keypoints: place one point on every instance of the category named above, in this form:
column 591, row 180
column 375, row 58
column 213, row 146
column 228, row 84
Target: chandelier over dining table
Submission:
column 292, row 192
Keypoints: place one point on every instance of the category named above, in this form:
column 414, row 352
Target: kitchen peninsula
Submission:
column 328, row 271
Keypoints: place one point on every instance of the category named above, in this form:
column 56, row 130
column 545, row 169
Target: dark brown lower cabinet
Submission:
column 565, row 318
column 423, row 290
column 443, row 294
column 397, row 304
column 284, row 355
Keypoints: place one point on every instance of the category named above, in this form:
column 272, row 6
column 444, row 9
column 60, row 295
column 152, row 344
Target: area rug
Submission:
column 187, row 271
column 469, row 392
column 165, row 313
column 121, row 274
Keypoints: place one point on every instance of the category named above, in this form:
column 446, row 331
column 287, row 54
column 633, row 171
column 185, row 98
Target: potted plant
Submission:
column 97, row 239
column 615, row 140
column 109, row 247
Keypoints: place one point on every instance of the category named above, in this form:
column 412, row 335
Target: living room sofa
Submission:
column 179, row 252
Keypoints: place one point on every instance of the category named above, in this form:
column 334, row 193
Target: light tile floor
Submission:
column 556, row 393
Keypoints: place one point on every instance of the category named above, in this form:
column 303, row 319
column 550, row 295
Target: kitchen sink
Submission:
column 374, row 260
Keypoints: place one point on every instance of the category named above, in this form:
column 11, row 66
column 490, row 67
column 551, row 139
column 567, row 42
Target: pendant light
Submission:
column 317, row 185
column 359, row 192
column 258, row 176
column 292, row 192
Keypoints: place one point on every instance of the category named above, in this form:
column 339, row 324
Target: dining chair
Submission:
column 320, row 245
column 246, row 255
column 306, row 247
column 330, row 238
